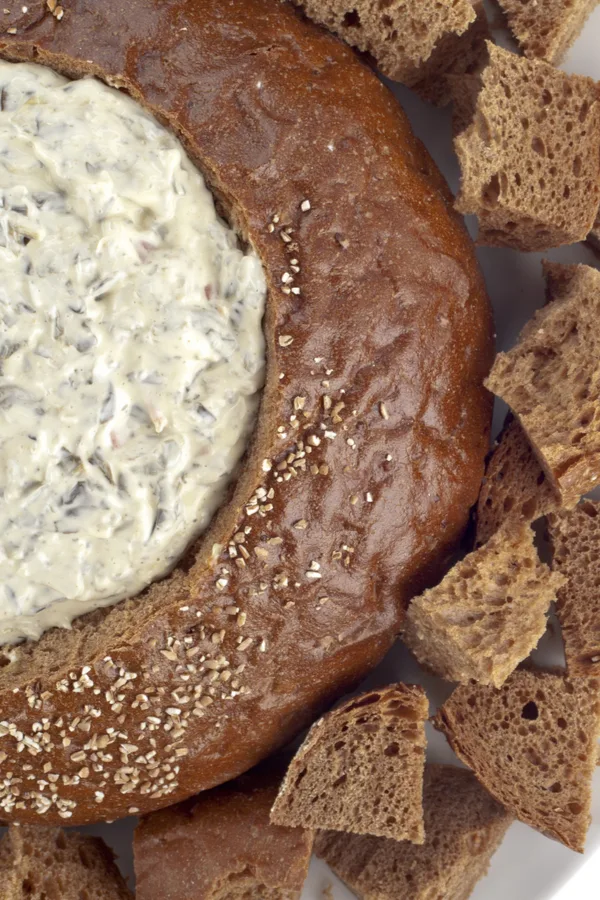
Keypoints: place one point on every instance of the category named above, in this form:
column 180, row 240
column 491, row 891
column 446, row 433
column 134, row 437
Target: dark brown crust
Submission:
column 222, row 845
column 392, row 311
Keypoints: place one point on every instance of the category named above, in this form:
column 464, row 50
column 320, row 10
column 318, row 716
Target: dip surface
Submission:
column 131, row 349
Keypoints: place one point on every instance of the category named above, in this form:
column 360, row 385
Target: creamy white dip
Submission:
column 131, row 349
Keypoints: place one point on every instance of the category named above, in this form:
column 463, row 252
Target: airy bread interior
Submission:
column 463, row 827
column 550, row 380
column 575, row 540
column 401, row 37
column 42, row 863
column 487, row 614
column 529, row 160
column 533, row 745
column 545, row 29
column 360, row 769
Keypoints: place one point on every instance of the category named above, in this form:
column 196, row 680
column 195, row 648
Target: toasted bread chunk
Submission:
column 456, row 56
column 402, row 37
column 575, row 539
column 48, row 862
column 464, row 826
column 221, row 846
column 545, row 29
column 360, row 769
column 551, row 380
column 533, row 745
column 515, row 486
column 529, row 160
column 7, row 872
column 487, row 614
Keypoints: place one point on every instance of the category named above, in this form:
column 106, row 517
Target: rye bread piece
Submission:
column 551, row 380
column 456, row 56
column 409, row 41
column 515, row 486
column 7, row 875
column 487, row 614
column 463, row 825
column 44, row 863
column 360, row 768
column 545, row 29
column 575, row 539
column 533, row 745
column 379, row 227
column 529, row 161
column 222, row 846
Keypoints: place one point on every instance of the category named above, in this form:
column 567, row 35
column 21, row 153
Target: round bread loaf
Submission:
column 369, row 448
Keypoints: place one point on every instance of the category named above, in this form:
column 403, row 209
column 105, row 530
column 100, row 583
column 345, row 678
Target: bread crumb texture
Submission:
column 458, row 56
column 464, row 91
column 401, row 36
column 575, row 539
column 464, row 826
column 533, row 745
column 529, row 160
column 551, row 380
column 545, row 29
column 515, row 486
column 487, row 614
column 39, row 863
column 360, row 769
column 221, row 846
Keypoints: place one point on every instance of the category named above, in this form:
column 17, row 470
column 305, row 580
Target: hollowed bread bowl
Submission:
column 369, row 448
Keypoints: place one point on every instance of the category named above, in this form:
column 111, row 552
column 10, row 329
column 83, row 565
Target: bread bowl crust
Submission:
column 146, row 704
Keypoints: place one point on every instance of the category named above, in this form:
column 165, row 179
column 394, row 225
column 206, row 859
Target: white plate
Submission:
column 527, row 866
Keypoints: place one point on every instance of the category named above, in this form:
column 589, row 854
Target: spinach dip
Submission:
column 131, row 349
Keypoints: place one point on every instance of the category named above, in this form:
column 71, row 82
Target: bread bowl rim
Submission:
column 415, row 168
